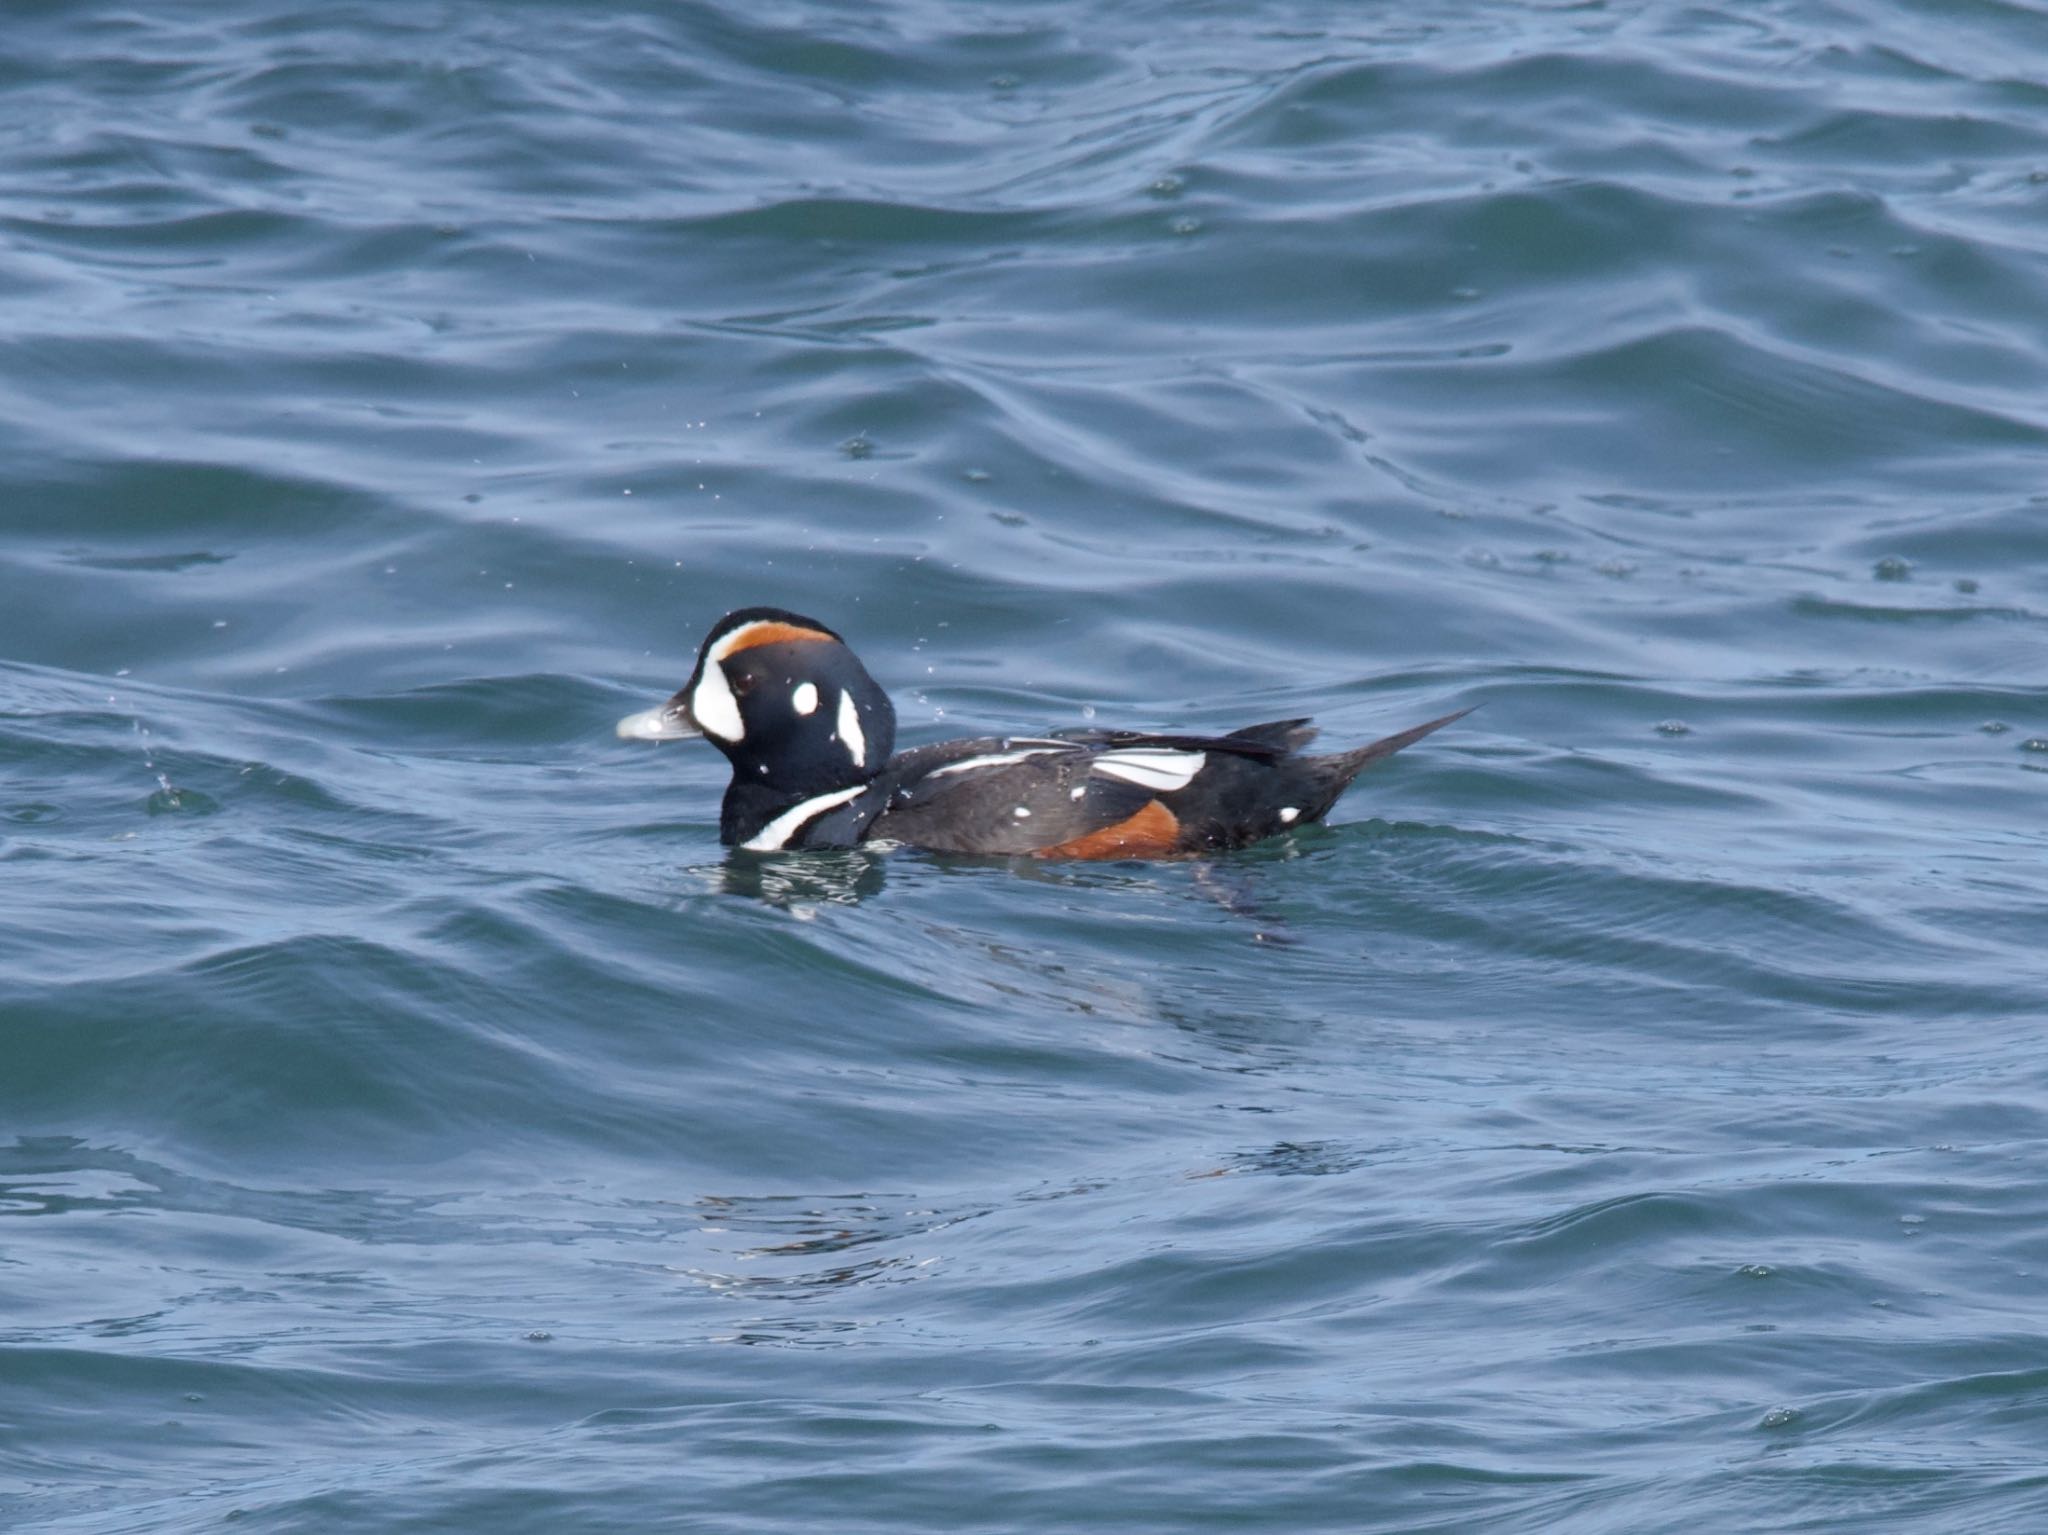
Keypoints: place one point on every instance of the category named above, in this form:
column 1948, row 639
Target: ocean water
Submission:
column 412, row 1120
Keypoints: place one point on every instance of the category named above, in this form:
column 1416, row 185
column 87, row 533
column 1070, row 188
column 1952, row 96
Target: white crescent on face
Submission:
column 714, row 707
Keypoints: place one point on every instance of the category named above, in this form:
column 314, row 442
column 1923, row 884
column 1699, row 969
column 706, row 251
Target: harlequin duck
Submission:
column 810, row 737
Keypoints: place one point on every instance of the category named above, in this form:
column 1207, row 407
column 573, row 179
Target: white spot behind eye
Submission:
column 805, row 699
column 1289, row 815
column 850, row 731
column 717, row 712
column 1022, row 813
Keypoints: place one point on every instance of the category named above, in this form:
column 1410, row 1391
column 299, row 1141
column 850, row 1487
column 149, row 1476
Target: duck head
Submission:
column 792, row 708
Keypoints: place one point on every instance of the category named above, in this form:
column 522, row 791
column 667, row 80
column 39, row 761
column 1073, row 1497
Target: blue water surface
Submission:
column 1630, row 1114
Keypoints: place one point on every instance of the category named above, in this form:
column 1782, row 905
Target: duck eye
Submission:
column 742, row 684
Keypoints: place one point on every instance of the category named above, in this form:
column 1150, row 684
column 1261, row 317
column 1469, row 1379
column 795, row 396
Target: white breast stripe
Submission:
column 850, row 731
column 1159, row 769
column 994, row 759
column 772, row 837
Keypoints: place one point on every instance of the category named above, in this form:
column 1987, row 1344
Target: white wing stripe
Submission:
column 1161, row 770
column 994, row 759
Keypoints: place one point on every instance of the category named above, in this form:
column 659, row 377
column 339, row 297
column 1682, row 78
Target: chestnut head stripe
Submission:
column 766, row 631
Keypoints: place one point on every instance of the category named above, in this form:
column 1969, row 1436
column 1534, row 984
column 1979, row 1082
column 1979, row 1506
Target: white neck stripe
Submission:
column 850, row 732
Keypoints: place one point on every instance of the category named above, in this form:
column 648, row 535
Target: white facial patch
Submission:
column 993, row 760
column 1289, row 815
column 1161, row 770
column 850, row 731
column 776, row 834
column 714, row 707
column 805, row 699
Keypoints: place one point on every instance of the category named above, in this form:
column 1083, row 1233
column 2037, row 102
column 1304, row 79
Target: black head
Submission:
column 791, row 707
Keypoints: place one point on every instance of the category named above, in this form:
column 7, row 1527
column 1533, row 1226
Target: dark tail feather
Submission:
column 1345, row 766
column 1280, row 735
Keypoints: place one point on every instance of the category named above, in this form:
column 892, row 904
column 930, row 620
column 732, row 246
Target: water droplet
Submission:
column 1484, row 559
column 1994, row 727
column 1185, row 226
column 978, row 476
column 1779, row 1417
column 1619, row 570
column 859, row 446
column 1168, row 185
column 2035, row 744
column 1756, row 1271
column 1892, row 568
column 1673, row 728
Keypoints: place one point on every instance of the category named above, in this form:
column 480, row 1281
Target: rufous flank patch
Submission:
column 1151, row 833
